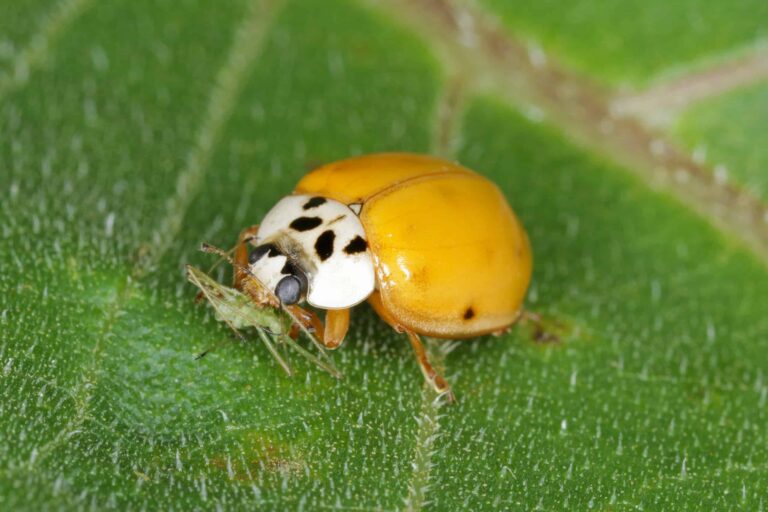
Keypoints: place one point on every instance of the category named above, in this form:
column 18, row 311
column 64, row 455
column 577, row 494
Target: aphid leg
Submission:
column 437, row 381
column 336, row 327
column 241, row 254
column 212, row 348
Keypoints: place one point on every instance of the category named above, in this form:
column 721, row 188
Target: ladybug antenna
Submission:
column 223, row 256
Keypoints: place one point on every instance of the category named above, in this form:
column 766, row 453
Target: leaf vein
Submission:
column 229, row 81
column 37, row 51
column 473, row 43
column 427, row 434
column 228, row 85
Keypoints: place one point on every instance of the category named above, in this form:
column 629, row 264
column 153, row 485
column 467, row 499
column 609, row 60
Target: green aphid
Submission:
column 239, row 312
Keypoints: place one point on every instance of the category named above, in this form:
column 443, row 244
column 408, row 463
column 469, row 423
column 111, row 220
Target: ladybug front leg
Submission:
column 241, row 254
column 437, row 381
column 308, row 319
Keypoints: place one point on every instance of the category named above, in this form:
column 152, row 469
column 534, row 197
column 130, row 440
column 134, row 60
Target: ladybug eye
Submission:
column 288, row 290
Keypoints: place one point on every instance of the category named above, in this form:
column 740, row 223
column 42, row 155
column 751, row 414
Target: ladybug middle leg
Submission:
column 437, row 381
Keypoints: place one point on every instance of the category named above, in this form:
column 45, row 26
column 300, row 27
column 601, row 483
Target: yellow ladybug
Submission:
column 433, row 246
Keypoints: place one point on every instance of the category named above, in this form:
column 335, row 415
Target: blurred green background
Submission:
column 630, row 138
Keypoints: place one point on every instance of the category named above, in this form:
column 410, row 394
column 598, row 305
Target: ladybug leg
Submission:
column 430, row 374
column 308, row 319
column 241, row 254
column 437, row 381
column 294, row 331
column 336, row 327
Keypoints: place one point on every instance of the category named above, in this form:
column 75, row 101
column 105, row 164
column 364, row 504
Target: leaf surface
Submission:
column 729, row 132
column 631, row 42
column 143, row 129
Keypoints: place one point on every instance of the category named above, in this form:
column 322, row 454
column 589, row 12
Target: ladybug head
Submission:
column 278, row 273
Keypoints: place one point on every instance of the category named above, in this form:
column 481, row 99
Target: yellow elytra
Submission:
column 452, row 260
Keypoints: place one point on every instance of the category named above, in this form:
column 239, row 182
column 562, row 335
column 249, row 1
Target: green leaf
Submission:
column 738, row 148
column 136, row 130
column 628, row 42
column 666, row 359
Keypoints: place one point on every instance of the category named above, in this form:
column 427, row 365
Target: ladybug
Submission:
column 432, row 246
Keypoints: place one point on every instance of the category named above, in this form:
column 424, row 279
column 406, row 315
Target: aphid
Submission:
column 237, row 310
column 434, row 248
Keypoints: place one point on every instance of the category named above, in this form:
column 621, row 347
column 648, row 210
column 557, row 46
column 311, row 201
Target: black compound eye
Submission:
column 288, row 290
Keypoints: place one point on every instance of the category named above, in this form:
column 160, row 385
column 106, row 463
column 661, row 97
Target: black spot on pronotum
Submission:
column 358, row 244
column 306, row 223
column 260, row 251
column 314, row 203
column 324, row 244
column 469, row 314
